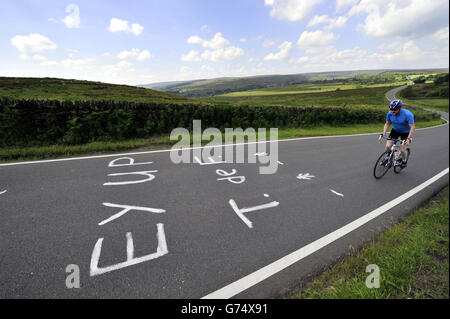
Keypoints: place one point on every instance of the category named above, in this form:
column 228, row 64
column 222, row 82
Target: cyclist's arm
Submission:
column 386, row 126
column 411, row 131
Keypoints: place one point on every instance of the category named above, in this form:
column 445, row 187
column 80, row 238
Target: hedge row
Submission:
column 24, row 122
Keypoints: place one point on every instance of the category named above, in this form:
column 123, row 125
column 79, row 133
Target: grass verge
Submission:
column 433, row 104
column 10, row 154
column 413, row 258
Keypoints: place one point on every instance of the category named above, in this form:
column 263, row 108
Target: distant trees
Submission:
column 420, row 79
column 441, row 78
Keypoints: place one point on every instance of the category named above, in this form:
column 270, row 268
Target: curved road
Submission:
column 202, row 229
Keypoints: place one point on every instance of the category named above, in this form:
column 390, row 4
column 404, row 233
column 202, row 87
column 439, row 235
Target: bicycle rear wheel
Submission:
column 382, row 165
column 398, row 169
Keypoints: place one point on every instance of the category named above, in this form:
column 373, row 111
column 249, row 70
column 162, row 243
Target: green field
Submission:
column 361, row 97
column 433, row 104
column 427, row 95
column 308, row 88
column 73, row 90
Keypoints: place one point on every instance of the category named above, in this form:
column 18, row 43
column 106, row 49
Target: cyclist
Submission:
column 402, row 127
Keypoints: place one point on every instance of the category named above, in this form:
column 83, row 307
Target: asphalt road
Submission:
column 191, row 232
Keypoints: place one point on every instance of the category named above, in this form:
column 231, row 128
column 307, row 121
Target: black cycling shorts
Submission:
column 395, row 135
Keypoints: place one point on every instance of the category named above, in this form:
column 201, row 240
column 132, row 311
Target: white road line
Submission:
column 2, row 192
column 339, row 194
column 284, row 262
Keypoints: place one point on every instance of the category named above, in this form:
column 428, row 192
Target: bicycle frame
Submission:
column 395, row 148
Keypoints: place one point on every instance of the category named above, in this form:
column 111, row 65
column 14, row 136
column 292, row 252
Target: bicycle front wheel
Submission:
column 382, row 165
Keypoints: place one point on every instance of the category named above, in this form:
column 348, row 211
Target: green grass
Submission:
column 308, row 88
column 9, row 154
column 434, row 104
column 63, row 89
column 413, row 258
column 355, row 98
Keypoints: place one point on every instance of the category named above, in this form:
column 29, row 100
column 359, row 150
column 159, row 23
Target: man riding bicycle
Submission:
column 402, row 127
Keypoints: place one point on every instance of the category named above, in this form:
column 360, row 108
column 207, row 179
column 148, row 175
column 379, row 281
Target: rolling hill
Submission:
column 219, row 86
column 76, row 90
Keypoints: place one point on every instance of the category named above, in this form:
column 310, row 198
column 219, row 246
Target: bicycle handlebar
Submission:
column 391, row 139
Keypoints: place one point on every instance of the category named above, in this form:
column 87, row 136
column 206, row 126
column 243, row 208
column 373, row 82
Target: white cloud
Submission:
column 49, row 63
column 285, row 48
column 136, row 29
column 243, row 40
column 331, row 23
column 118, row 25
column 217, row 42
column 221, row 55
column 207, row 68
column 303, row 59
column 292, row 10
column 144, row 55
column 79, row 64
column 268, row 43
column 192, row 56
column 38, row 58
column 121, row 66
column 397, row 51
column 318, row 20
column 128, row 54
column 390, row 55
column 221, row 51
column 409, row 19
column 343, row 4
column 24, row 56
column 331, row 58
column 135, row 53
column 441, row 35
column 73, row 19
column 32, row 43
column 315, row 39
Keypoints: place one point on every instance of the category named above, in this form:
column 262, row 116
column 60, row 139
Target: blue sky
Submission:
column 138, row 42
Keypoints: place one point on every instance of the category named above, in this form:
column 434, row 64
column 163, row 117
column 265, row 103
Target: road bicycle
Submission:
column 391, row 158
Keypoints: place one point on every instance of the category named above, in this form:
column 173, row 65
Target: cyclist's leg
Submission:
column 393, row 134
column 403, row 136
column 388, row 145
column 403, row 152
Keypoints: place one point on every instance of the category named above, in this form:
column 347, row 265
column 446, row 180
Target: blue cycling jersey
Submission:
column 401, row 121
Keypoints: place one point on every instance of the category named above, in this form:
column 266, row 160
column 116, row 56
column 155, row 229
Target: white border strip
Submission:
column 271, row 269
column 193, row 148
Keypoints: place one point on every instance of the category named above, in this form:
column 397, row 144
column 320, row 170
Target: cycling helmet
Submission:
column 395, row 105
